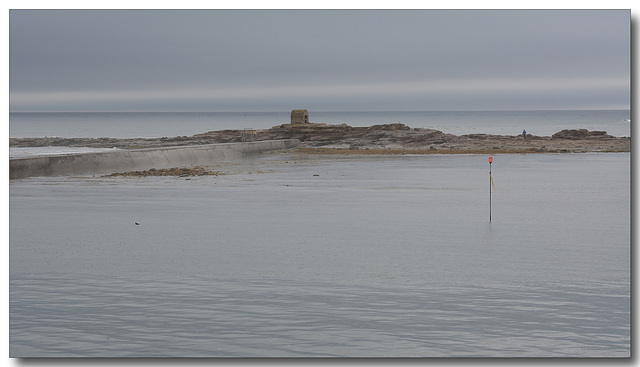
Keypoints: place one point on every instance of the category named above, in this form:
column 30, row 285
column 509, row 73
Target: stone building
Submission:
column 299, row 117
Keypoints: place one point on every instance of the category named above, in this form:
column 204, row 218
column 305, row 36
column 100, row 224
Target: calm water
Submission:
column 325, row 256
column 158, row 124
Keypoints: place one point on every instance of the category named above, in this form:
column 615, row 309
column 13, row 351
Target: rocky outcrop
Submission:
column 394, row 137
column 389, row 127
column 179, row 172
column 314, row 134
column 580, row 134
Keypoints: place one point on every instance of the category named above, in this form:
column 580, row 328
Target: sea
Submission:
column 290, row 255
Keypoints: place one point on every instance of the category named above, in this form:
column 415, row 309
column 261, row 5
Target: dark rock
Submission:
column 477, row 136
column 571, row 134
column 580, row 134
column 598, row 133
column 389, row 127
column 179, row 172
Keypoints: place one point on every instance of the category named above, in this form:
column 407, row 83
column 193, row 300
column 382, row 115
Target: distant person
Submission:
column 524, row 134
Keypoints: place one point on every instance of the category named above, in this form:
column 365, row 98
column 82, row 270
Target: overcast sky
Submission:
column 324, row 60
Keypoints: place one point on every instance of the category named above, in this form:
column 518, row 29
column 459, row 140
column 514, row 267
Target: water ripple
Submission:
column 66, row 315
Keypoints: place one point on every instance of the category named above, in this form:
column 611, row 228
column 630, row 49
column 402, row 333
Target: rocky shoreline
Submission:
column 377, row 139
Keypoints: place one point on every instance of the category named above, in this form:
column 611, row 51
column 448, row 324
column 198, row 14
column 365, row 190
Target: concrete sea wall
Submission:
column 140, row 159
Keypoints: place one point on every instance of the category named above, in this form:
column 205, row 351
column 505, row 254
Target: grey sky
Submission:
column 249, row 60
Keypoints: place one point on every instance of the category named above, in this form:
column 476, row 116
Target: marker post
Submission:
column 490, row 180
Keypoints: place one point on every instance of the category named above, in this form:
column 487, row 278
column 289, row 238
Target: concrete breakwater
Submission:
column 140, row 159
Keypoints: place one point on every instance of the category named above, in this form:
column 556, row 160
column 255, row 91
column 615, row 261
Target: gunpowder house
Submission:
column 299, row 117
